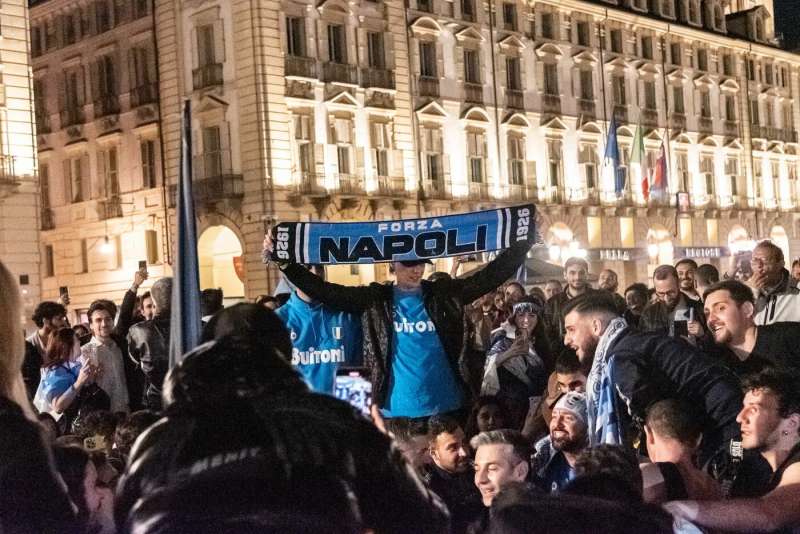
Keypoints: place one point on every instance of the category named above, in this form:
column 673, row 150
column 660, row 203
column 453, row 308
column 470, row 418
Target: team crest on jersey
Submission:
column 293, row 335
column 337, row 332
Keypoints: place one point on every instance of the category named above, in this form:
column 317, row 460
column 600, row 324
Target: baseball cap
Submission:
column 412, row 263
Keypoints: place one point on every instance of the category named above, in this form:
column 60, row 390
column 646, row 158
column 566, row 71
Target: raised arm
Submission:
column 125, row 319
column 336, row 296
column 495, row 273
column 777, row 509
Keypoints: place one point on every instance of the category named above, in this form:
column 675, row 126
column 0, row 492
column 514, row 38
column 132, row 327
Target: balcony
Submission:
column 436, row 189
column 111, row 208
column 520, row 192
column 479, row 191
column 428, row 86
column 551, row 104
column 731, row 127
column 550, row 195
column 473, row 93
column 214, row 178
column 677, row 121
column 650, row 118
column 144, row 94
column 42, row 123
column 379, row 78
column 515, row 99
column 391, row 186
column 705, row 125
column 586, row 108
column 311, row 184
column 788, row 135
column 301, row 67
column 72, row 116
column 621, row 113
column 340, row 73
column 207, row 76
column 48, row 219
column 349, row 184
column 106, row 105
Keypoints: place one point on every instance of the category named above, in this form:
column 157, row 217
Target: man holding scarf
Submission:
column 414, row 334
column 631, row 370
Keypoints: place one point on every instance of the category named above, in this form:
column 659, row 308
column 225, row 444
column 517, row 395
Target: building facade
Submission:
column 19, row 233
column 377, row 110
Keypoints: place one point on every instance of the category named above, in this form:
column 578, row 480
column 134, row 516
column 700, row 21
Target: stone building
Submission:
column 341, row 110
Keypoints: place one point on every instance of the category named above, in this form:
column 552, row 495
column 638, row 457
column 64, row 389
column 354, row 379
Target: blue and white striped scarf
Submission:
column 403, row 240
column 602, row 401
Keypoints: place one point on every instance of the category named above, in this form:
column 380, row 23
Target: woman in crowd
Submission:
column 519, row 360
column 488, row 413
column 31, row 498
column 63, row 376
column 94, row 500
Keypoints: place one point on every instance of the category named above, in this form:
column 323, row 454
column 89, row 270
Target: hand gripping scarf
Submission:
column 402, row 240
column 602, row 402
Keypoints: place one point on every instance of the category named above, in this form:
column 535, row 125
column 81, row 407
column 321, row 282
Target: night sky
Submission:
column 787, row 22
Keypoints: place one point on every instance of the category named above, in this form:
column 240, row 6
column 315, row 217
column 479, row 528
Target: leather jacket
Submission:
column 245, row 447
column 148, row 345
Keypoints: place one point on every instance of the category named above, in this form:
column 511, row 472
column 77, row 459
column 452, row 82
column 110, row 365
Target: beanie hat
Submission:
column 573, row 402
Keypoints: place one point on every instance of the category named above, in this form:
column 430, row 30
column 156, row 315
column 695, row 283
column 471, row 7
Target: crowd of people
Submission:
column 673, row 405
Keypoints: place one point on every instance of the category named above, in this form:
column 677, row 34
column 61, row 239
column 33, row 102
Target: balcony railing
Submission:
column 515, row 99
column 207, row 76
column 391, row 186
column 106, row 105
column 71, row 116
column 428, row 86
column 48, row 219
column 650, row 117
column 381, row 78
column 214, row 178
column 731, row 127
column 42, row 123
column 349, row 184
column 621, row 113
column 551, row 103
column 302, row 67
column 677, row 121
column 112, row 208
column 312, row 184
column 437, row 189
column 479, row 191
column 771, row 133
column 339, row 72
column 586, row 108
column 473, row 93
column 550, row 195
column 144, row 94
column 520, row 192
column 705, row 124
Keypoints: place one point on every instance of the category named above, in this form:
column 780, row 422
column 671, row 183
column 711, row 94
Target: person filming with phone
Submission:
column 673, row 313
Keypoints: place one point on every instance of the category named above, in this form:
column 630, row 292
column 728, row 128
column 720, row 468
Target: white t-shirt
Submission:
column 112, row 377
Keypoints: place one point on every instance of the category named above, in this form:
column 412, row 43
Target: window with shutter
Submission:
column 513, row 77
column 769, row 113
column 49, row 261
column 427, row 59
column 475, row 155
column 547, row 25
column 587, row 158
column 551, row 79
column 206, row 49
column 76, row 179
column 295, row 36
column 472, row 71
column 682, row 164
column 705, row 104
column 675, row 53
column 616, row 41
column 375, row 53
column 147, row 148
column 44, row 184
column 649, row 95
column 84, row 258
column 587, row 84
column 510, row 16
column 304, row 143
column 647, row 47
column 677, row 99
column 516, row 160
column 554, row 162
column 583, row 35
column 336, row 44
column 618, row 84
column 730, row 107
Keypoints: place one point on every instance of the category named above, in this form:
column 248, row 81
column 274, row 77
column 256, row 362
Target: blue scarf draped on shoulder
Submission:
column 602, row 399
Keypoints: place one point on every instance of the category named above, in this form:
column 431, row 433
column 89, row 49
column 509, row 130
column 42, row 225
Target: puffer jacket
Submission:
column 148, row 345
column 245, row 447
column 444, row 300
column 780, row 304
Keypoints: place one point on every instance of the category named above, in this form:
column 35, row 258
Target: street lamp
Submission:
column 106, row 247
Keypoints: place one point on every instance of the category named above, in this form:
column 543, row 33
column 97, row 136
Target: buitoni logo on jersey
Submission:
column 410, row 327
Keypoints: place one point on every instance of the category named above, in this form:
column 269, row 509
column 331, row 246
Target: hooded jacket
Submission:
column 444, row 301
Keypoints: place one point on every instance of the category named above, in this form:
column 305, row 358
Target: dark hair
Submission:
column 141, row 298
column 263, row 299
column 250, row 321
column 47, row 310
column 707, row 274
column 576, row 261
column 102, row 305
column 404, row 429
column 59, row 347
column 675, row 419
column 567, row 362
column 210, row 301
column 601, row 302
column 71, row 462
column 688, row 261
column 611, row 460
column 439, row 275
column 553, row 281
column 514, row 283
column 128, row 430
column 795, row 263
column 537, row 292
column 606, row 486
column 775, row 251
column 441, row 424
column 663, row 272
column 739, row 292
column 505, row 436
column 101, row 422
column 485, row 400
column 638, row 288
column 781, row 383
column 83, row 332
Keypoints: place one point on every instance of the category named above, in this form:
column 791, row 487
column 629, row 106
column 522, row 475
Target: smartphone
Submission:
column 352, row 387
column 681, row 328
column 63, row 291
column 142, row 265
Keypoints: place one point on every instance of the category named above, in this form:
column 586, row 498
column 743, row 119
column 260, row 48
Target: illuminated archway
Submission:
column 659, row 245
column 561, row 244
column 739, row 240
column 220, row 256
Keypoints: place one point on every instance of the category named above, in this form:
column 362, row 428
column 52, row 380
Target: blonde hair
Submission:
column 12, row 345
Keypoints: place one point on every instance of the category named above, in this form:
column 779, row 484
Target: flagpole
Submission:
column 667, row 132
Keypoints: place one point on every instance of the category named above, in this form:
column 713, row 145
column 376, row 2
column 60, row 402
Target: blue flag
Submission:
column 612, row 156
column 185, row 318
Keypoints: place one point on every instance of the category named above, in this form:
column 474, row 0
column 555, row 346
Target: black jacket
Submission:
column 244, row 445
column 148, row 344
column 444, row 301
column 650, row 367
column 459, row 493
column 554, row 318
column 33, row 500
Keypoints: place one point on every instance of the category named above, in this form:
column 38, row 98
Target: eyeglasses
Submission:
column 758, row 262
